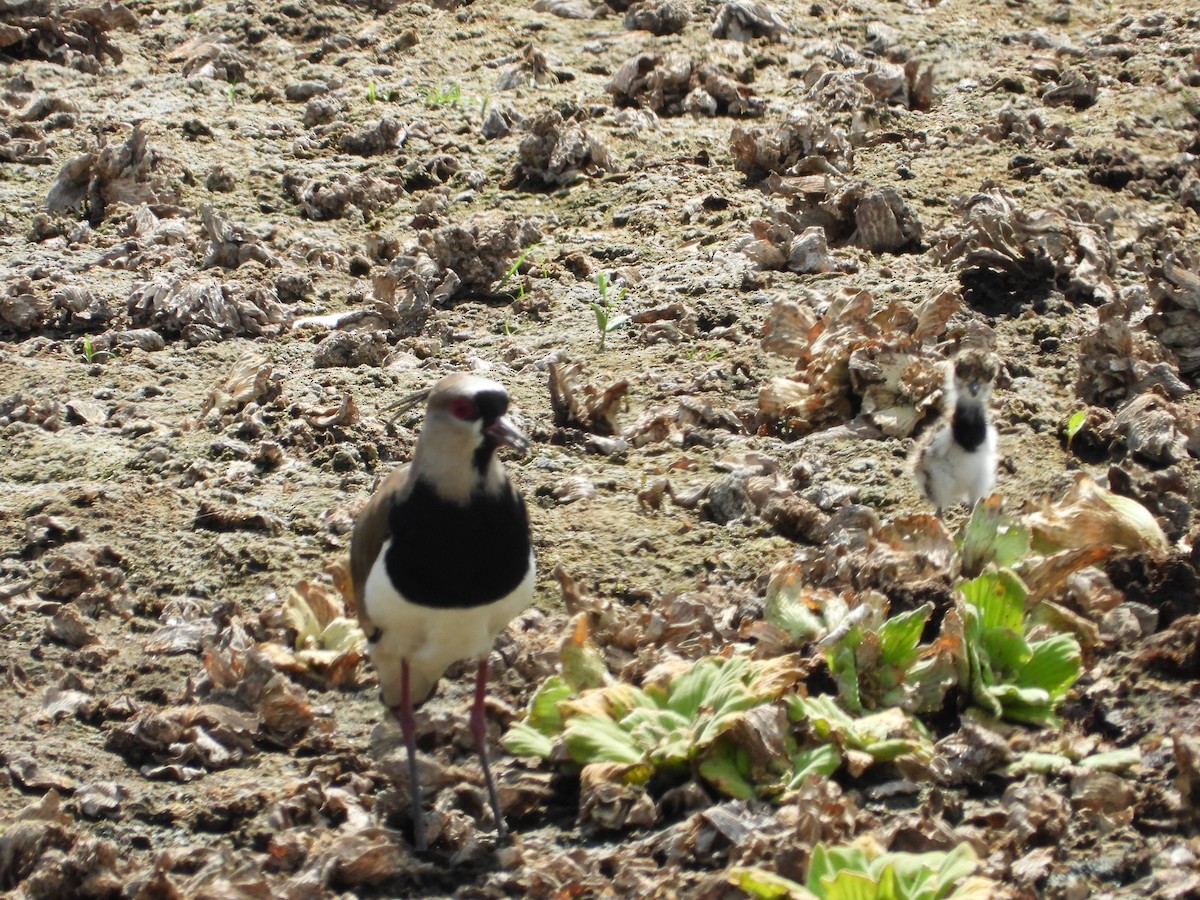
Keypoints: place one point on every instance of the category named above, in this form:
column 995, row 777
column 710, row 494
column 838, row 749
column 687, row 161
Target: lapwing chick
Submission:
column 955, row 461
column 441, row 560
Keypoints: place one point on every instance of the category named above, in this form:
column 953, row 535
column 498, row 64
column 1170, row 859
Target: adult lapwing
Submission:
column 441, row 559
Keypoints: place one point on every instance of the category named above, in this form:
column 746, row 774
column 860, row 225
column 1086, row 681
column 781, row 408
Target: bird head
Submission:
column 974, row 372
column 474, row 410
column 466, row 421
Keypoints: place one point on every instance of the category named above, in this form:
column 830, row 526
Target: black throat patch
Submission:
column 969, row 426
column 453, row 556
column 482, row 457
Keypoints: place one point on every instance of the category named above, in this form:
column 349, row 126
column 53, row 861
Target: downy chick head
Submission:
column 972, row 375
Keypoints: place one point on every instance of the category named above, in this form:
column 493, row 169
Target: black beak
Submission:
column 504, row 432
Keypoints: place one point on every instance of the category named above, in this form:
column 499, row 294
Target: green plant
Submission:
column 1009, row 676
column 89, row 351
column 991, row 537
column 882, row 736
column 445, row 95
column 323, row 631
column 515, row 270
column 371, row 96
column 231, row 92
column 865, row 871
column 605, row 320
column 876, row 660
column 694, row 723
column 1074, row 424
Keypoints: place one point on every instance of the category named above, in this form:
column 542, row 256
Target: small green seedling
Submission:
column 90, row 353
column 371, row 96
column 1074, row 424
column 605, row 320
column 446, row 95
column 515, row 269
column 231, row 91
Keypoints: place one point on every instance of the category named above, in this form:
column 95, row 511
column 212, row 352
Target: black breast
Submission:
column 454, row 556
column 969, row 426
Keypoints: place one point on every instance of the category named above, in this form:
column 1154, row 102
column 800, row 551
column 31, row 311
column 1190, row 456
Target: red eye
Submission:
column 462, row 408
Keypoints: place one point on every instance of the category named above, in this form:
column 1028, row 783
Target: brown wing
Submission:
column 370, row 531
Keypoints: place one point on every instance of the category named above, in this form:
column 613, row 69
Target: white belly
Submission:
column 952, row 475
column 430, row 639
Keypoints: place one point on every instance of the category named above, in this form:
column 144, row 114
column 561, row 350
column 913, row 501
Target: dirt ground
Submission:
column 229, row 244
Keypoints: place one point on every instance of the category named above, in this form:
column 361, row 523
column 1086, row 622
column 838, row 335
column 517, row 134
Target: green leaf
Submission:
column 767, row 885
column 1113, row 760
column 544, row 714
column 524, row 740
column 1055, row 664
column 990, row 536
column 823, row 867
column 841, row 662
column 1137, row 520
column 999, row 596
column 852, row 886
column 691, row 690
column 928, row 681
column 820, row 760
column 1074, row 424
column 931, row 874
column 862, row 871
column 1038, row 763
column 601, row 313
column 959, row 863
column 886, row 735
column 582, row 663
column 1007, row 650
column 726, row 767
column 900, row 635
column 596, row 739
column 616, row 322
column 786, row 609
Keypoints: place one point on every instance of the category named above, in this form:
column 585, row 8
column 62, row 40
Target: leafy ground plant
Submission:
column 879, row 737
column 877, row 661
column 1074, row 424
column 1010, row 676
column 864, row 871
column 713, row 718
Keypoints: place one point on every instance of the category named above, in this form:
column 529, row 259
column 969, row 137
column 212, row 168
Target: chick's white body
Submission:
column 950, row 474
column 431, row 638
column 956, row 461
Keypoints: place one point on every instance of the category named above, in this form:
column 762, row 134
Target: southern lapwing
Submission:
column 955, row 461
column 441, row 559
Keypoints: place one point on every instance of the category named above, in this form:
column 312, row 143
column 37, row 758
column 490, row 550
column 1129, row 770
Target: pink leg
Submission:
column 479, row 732
column 408, row 727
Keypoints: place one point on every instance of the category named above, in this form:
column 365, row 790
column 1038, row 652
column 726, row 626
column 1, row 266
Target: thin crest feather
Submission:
column 403, row 405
